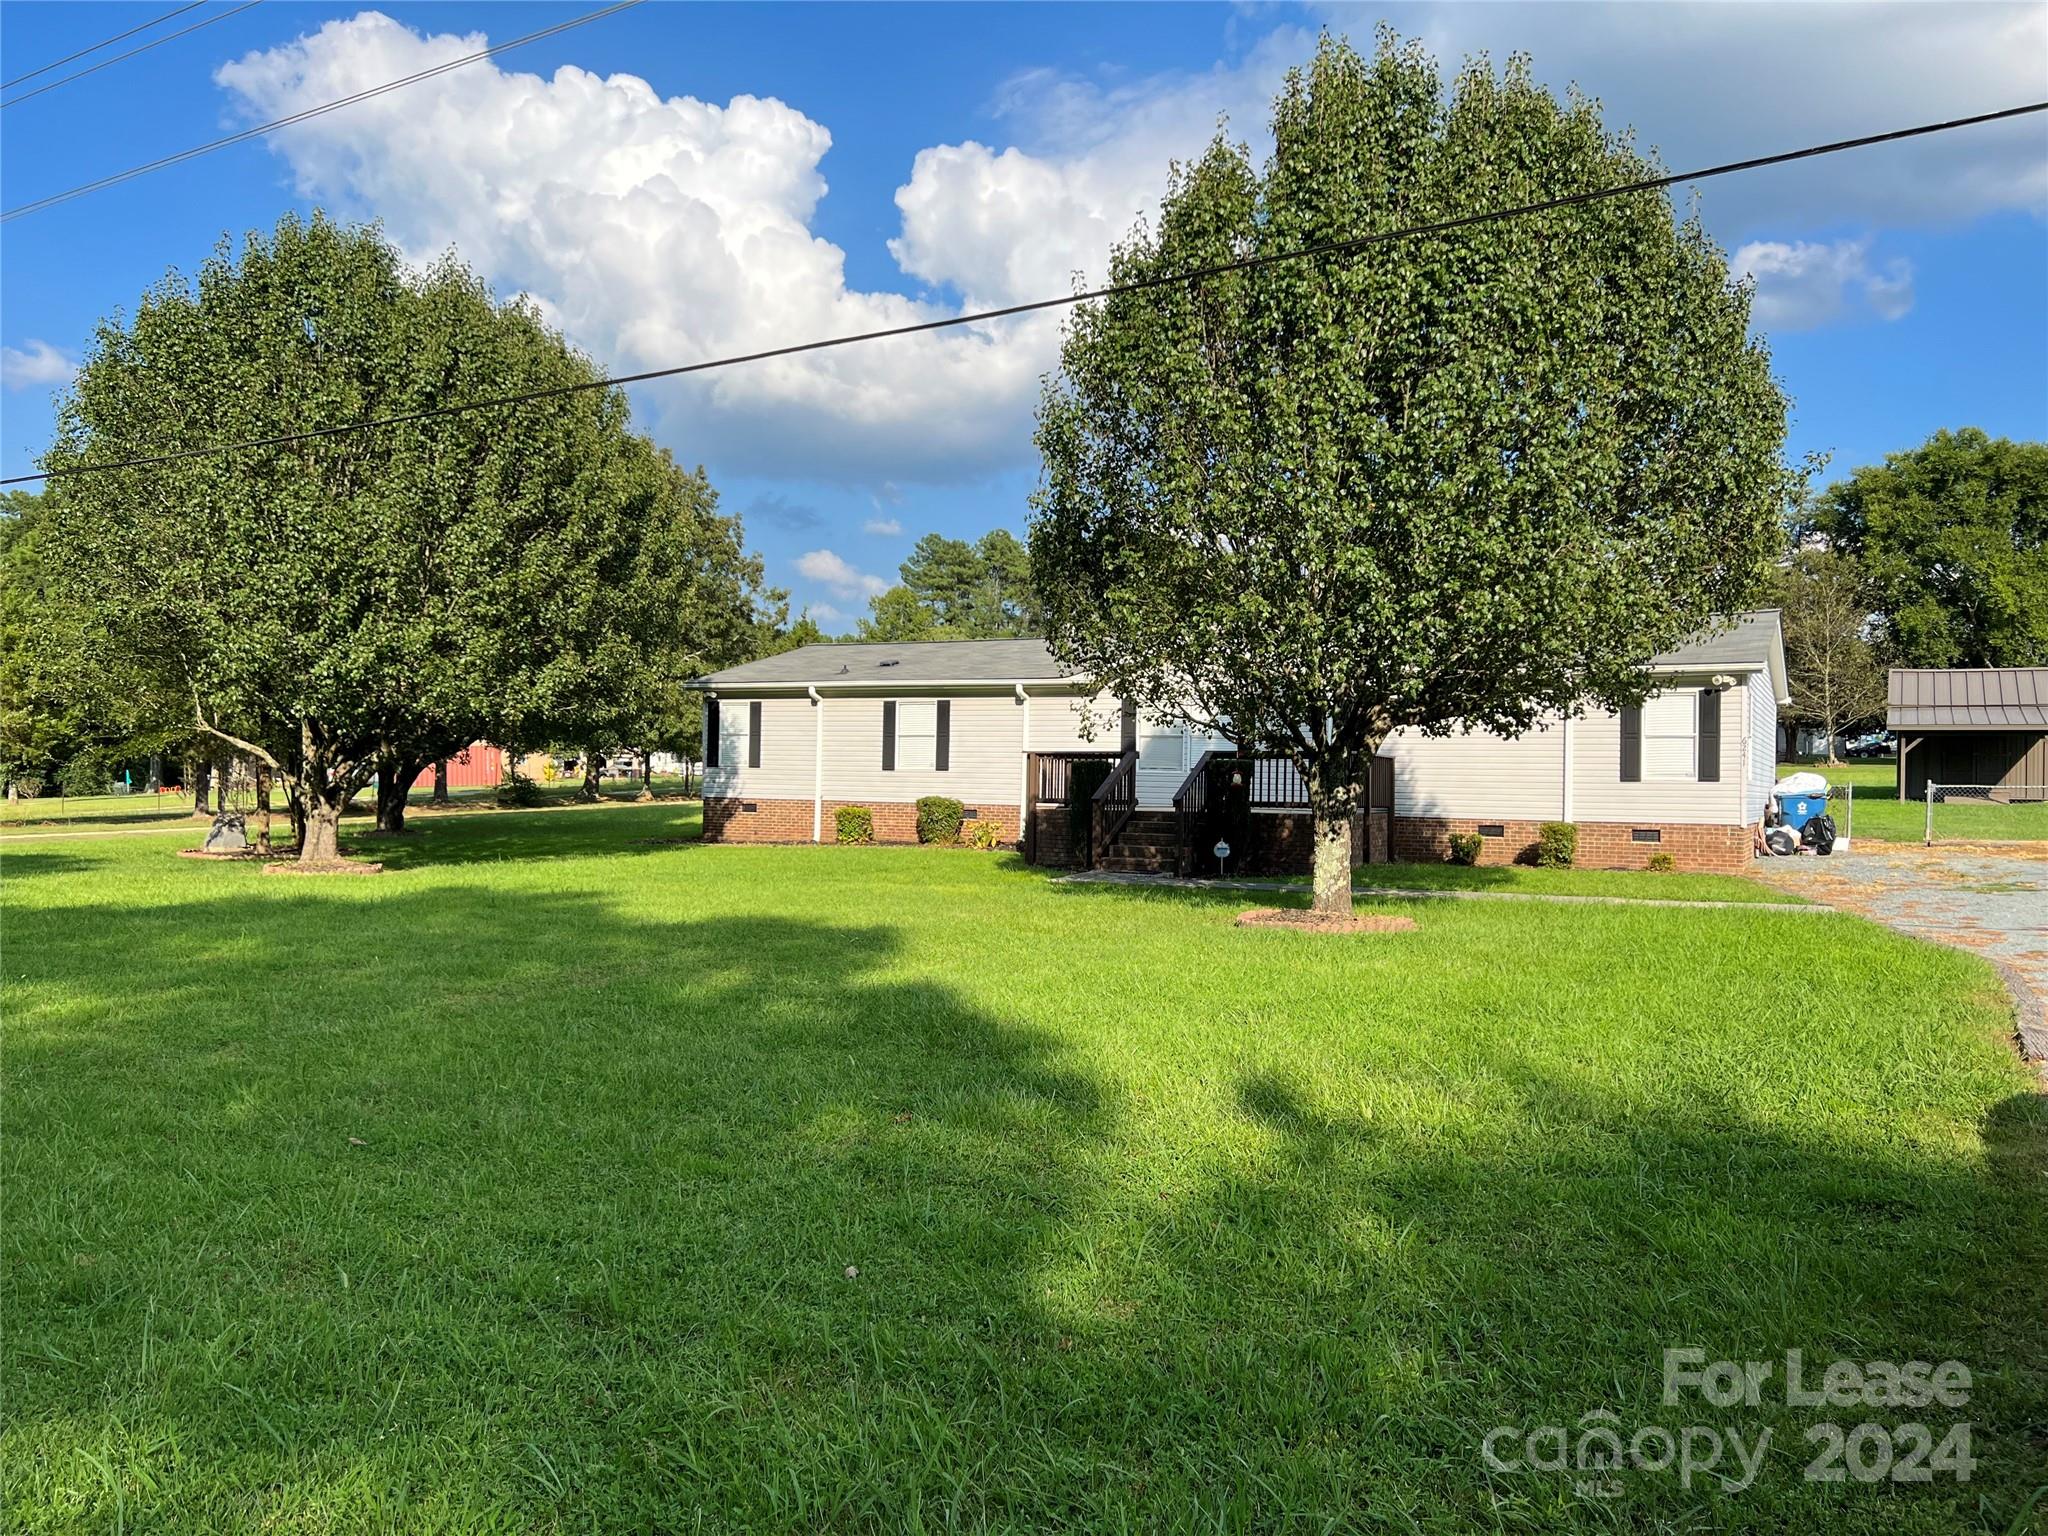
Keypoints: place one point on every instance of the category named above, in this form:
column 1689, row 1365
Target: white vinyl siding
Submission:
column 1598, row 793
column 786, row 750
column 985, row 751
column 1671, row 737
column 1480, row 775
column 1058, row 720
column 1762, row 717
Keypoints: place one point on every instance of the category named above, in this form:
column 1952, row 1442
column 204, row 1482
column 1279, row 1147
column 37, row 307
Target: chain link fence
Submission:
column 1985, row 813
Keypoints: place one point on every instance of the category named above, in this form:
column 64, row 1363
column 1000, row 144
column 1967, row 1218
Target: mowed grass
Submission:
column 1879, row 816
column 1527, row 880
column 568, row 1178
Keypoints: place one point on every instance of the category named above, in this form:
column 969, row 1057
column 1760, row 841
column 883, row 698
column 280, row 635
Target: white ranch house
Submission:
column 1000, row 726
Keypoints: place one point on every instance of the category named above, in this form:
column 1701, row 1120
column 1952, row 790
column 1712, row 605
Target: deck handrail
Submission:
column 1116, row 801
column 1052, row 776
column 1189, row 801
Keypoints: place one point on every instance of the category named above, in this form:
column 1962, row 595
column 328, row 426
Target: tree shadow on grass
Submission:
column 556, row 832
column 26, row 863
column 545, row 1217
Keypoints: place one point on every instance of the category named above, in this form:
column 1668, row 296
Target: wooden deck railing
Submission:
column 1052, row 774
column 1115, row 803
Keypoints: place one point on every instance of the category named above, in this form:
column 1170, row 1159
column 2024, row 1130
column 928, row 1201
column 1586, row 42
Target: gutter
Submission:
column 712, row 685
column 817, row 765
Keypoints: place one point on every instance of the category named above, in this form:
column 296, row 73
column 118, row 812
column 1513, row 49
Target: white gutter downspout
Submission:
column 1565, row 799
column 817, row 764
column 1024, row 768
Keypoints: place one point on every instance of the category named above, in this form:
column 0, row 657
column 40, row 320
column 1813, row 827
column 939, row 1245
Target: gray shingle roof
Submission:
column 1968, row 698
column 929, row 661
column 1751, row 643
column 1747, row 643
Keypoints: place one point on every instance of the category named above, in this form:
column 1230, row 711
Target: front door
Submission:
column 1163, row 760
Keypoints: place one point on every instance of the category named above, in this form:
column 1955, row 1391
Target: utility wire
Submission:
column 8, row 85
column 1138, row 285
column 311, row 112
column 168, row 37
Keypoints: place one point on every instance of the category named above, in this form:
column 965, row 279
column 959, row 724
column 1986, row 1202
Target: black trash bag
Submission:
column 1819, row 834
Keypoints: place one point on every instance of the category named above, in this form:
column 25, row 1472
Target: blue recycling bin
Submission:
column 1798, row 810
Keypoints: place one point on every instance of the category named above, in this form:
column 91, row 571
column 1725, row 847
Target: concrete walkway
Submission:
column 1404, row 893
column 1991, row 899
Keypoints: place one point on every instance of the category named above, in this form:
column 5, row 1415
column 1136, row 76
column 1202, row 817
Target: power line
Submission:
column 312, row 112
column 108, row 42
column 1138, row 285
column 155, row 42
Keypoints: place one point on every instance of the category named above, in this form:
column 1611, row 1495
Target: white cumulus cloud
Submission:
column 829, row 570
column 654, row 230
column 664, row 229
column 33, row 363
column 1802, row 284
column 882, row 527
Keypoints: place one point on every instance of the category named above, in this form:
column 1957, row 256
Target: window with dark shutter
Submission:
column 1710, row 735
column 942, row 749
column 888, row 736
column 1631, row 744
column 711, row 733
column 754, row 734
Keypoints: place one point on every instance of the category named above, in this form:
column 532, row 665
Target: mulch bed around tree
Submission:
column 1319, row 922
column 330, row 867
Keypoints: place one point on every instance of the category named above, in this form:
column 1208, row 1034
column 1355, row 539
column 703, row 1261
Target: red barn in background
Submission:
column 478, row 766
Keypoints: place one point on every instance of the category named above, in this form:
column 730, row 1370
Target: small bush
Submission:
column 854, row 824
column 1465, row 847
column 1557, row 844
column 938, row 819
column 520, row 791
column 1663, row 863
column 982, row 834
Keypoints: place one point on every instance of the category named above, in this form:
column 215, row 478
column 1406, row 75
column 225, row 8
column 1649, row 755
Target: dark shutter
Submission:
column 711, row 733
column 942, row 750
column 754, row 734
column 1710, row 735
column 1631, row 743
column 888, row 735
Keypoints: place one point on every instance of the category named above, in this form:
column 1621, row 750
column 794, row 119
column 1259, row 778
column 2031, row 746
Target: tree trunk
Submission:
column 262, row 810
column 591, row 785
column 202, row 781
column 390, row 802
column 441, row 782
column 320, row 842
column 1332, row 878
column 646, row 775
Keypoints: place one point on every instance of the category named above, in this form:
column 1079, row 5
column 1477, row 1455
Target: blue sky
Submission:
column 683, row 180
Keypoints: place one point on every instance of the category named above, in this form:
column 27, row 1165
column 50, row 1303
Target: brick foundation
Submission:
column 1602, row 844
column 727, row 820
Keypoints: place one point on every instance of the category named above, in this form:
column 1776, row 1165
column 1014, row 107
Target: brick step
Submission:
column 1137, row 864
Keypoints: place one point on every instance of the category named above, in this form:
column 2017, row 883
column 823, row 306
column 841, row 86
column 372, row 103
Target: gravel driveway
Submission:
column 1989, row 898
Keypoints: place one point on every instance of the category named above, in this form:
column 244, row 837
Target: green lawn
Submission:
column 522, row 1189
column 84, row 812
column 1880, row 816
column 1528, row 880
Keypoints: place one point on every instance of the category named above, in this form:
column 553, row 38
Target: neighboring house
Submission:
column 1969, row 726
column 993, row 723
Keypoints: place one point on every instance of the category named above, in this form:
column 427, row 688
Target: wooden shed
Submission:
column 1971, row 725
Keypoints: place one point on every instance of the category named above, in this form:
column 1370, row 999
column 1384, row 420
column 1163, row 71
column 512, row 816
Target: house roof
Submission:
column 908, row 663
column 1967, row 698
column 1752, row 644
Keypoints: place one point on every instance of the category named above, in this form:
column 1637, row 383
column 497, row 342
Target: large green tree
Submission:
column 364, row 598
column 1467, row 480
column 1952, row 538
column 954, row 590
